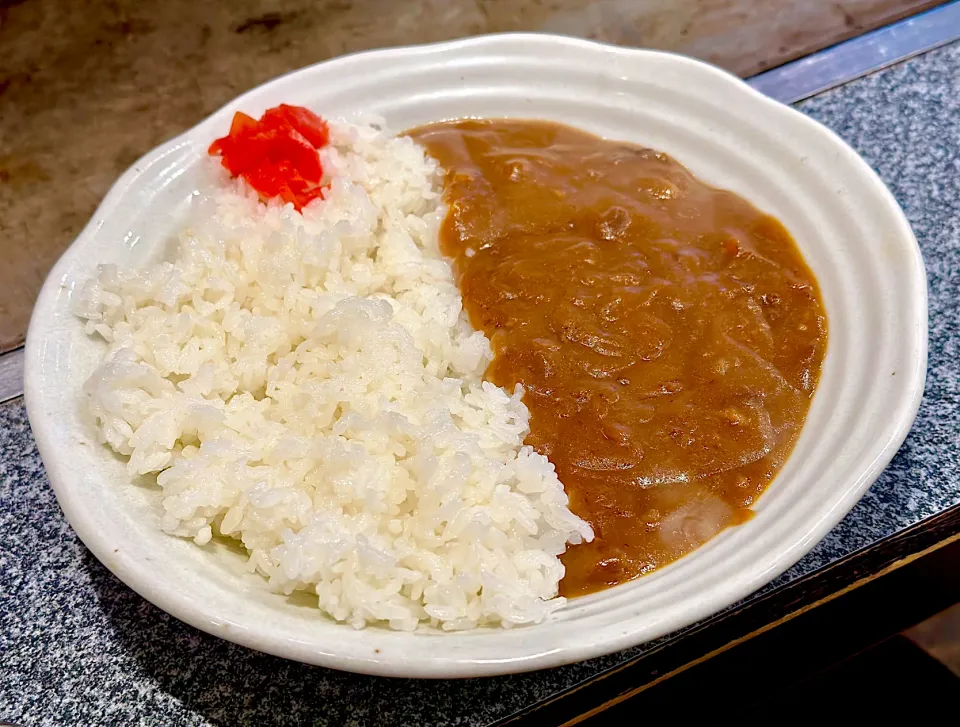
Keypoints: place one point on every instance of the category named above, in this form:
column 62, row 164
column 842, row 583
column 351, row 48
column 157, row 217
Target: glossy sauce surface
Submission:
column 668, row 334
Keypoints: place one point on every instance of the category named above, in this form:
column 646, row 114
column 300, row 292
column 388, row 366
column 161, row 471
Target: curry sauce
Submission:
column 668, row 334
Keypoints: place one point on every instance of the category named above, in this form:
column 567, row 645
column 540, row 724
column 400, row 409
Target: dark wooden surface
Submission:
column 782, row 637
column 88, row 87
column 893, row 677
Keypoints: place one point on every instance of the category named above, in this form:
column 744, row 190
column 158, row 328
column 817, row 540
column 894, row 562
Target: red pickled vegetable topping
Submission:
column 313, row 128
column 277, row 155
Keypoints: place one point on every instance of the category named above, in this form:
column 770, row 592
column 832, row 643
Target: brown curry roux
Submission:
column 668, row 334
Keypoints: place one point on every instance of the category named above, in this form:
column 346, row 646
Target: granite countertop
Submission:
column 79, row 647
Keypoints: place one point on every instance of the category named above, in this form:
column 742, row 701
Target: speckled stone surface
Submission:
column 78, row 647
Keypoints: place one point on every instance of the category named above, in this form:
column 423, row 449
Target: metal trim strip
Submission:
column 11, row 375
column 865, row 54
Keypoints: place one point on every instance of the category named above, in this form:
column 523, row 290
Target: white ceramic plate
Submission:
column 846, row 223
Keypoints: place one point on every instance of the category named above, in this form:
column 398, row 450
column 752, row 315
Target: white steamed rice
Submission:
column 310, row 385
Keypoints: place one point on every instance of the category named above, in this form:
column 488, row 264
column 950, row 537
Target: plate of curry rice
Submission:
column 477, row 357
